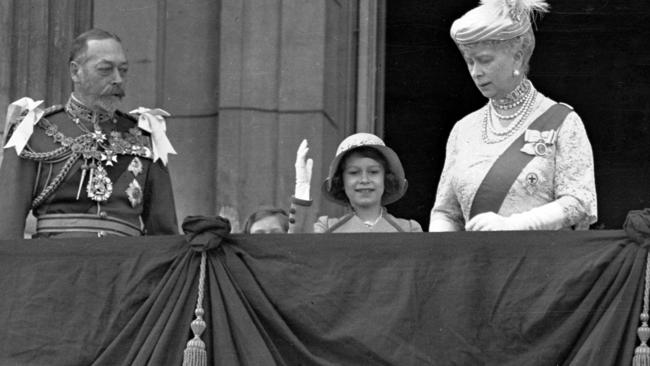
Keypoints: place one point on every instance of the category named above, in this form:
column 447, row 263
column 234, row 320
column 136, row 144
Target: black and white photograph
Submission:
column 324, row 182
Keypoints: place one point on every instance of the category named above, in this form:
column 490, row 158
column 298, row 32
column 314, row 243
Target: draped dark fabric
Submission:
column 518, row 298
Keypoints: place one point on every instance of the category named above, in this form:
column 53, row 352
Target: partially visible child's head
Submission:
column 269, row 220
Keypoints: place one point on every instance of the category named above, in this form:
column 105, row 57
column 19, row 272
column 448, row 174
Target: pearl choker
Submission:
column 522, row 115
column 514, row 98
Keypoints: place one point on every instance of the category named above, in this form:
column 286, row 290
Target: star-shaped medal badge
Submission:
column 135, row 166
column 109, row 157
column 134, row 193
column 98, row 136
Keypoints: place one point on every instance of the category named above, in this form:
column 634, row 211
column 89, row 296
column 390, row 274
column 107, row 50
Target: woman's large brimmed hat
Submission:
column 358, row 140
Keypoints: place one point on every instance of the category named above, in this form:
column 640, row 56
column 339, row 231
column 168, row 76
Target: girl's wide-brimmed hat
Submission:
column 496, row 20
column 367, row 140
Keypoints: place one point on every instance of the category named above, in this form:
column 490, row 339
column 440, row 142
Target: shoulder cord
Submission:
column 56, row 182
column 58, row 155
column 63, row 153
column 38, row 177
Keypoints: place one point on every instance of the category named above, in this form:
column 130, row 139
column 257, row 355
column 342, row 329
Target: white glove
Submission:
column 547, row 217
column 439, row 222
column 487, row 221
column 550, row 216
column 303, row 172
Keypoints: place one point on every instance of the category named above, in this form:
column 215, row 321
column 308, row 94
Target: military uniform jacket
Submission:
column 141, row 188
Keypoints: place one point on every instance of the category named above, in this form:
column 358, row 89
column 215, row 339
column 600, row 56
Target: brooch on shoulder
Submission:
column 539, row 143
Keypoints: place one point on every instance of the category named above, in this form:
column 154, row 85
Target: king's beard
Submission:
column 107, row 103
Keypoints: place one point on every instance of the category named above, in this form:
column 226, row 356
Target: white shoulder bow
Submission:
column 153, row 121
column 25, row 128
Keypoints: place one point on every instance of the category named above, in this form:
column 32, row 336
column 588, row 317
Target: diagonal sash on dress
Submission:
column 339, row 223
column 505, row 170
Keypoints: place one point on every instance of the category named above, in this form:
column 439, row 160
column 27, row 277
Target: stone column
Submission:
column 35, row 36
column 287, row 72
column 173, row 51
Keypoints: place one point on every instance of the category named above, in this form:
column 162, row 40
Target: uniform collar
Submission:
column 78, row 111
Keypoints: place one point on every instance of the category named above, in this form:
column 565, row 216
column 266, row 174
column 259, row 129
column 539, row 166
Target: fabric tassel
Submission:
column 195, row 353
column 642, row 352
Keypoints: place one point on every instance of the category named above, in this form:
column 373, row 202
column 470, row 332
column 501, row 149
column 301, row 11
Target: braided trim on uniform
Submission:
column 58, row 154
column 49, row 156
column 49, row 175
column 52, row 109
column 55, row 156
column 56, row 181
column 39, row 170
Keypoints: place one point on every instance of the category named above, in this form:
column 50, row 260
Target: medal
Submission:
column 135, row 166
column 541, row 149
column 99, row 186
column 134, row 193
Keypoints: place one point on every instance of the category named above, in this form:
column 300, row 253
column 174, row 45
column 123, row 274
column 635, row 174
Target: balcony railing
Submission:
column 496, row 298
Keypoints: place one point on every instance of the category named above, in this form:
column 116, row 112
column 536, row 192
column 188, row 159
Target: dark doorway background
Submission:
column 593, row 55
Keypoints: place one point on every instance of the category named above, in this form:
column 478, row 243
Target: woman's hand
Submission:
column 488, row 221
column 303, row 172
column 550, row 216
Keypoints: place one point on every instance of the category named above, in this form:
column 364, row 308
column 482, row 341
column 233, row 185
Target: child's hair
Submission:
column 265, row 212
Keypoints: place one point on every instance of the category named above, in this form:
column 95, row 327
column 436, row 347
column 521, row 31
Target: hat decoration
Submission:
column 519, row 10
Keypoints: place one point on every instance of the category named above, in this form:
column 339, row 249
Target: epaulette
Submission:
column 127, row 115
column 11, row 125
column 48, row 112
column 53, row 109
column 134, row 119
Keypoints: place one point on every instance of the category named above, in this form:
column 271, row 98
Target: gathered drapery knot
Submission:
column 205, row 233
column 637, row 226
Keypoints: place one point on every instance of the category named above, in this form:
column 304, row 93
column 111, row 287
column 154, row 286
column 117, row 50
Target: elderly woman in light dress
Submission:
column 522, row 161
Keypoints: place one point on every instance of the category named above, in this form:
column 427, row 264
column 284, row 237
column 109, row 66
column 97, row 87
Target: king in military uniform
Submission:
column 86, row 168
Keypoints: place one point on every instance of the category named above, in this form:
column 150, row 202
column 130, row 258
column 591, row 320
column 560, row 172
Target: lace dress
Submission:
column 566, row 175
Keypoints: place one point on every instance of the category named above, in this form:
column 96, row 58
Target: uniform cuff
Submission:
column 299, row 202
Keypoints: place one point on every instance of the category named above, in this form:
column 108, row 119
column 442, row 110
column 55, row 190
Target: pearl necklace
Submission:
column 514, row 126
column 372, row 223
